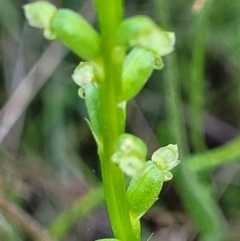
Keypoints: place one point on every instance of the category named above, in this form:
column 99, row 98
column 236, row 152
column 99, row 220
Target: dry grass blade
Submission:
column 29, row 86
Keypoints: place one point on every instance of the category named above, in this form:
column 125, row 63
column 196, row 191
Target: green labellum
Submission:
column 76, row 33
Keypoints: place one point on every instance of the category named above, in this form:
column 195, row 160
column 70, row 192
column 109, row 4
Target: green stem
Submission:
column 113, row 119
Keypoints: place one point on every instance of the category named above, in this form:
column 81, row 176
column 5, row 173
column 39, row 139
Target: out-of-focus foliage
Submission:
column 48, row 157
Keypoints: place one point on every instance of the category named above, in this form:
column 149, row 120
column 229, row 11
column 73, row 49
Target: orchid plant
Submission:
column 118, row 60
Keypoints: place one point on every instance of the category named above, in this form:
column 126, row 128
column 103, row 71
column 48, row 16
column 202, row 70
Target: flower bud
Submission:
column 76, row 33
column 137, row 67
column 83, row 75
column 166, row 158
column 130, row 154
column 39, row 15
column 141, row 31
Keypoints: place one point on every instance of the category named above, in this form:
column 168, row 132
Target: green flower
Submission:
column 166, row 158
column 141, row 31
column 130, row 154
column 83, row 74
column 39, row 15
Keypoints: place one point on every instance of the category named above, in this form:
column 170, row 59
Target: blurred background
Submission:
column 48, row 162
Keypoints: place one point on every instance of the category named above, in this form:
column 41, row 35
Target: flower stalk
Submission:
column 107, row 81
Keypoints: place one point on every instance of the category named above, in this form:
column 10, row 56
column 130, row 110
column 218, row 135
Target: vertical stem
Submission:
column 110, row 15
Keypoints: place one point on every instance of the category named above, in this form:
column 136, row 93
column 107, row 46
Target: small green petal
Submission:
column 130, row 154
column 83, row 74
column 128, row 144
column 132, row 165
